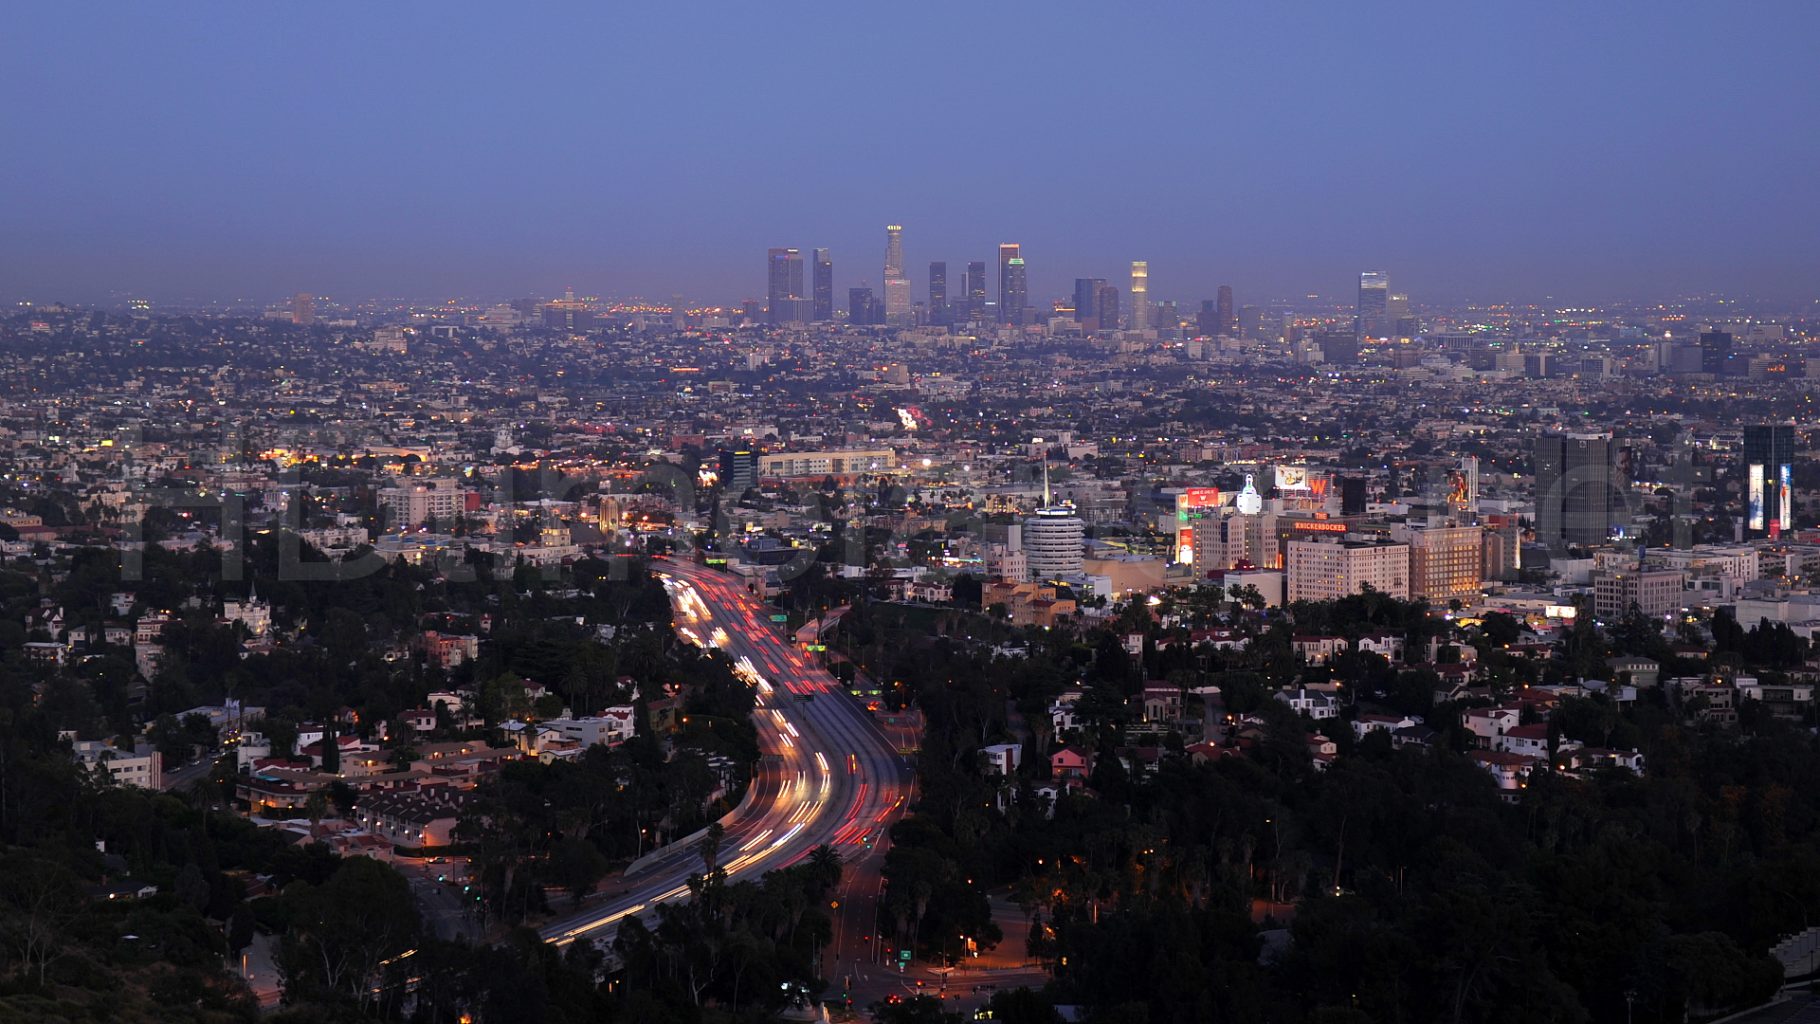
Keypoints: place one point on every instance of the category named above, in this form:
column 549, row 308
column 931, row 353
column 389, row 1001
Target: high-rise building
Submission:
column 1207, row 322
column 1164, row 317
column 1352, row 495
column 1228, row 322
column 303, row 309
column 1012, row 290
column 938, row 292
column 1769, row 467
column 863, row 309
column 1326, row 569
column 738, row 471
column 1339, row 348
column 679, row 313
column 783, row 282
column 976, row 288
column 1445, row 562
column 1374, row 300
column 1054, row 538
column 823, row 286
column 1087, row 301
column 1576, row 490
column 1251, row 318
column 897, row 283
column 1716, row 353
column 1140, row 295
column 1107, row 305
column 1397, row 321
column 1651, row 591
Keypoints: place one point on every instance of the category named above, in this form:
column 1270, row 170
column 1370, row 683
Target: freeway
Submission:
column 827, row 774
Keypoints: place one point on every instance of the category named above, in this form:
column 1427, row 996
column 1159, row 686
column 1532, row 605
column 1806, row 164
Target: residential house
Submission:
column 1002, row 758
column 1487, row 724
column 1318, row 650
column 1509, row 771
column 1315, row 704
column 1070, row 764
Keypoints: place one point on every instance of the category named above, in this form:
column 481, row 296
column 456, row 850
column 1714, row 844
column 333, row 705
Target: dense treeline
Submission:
column 1395, row 886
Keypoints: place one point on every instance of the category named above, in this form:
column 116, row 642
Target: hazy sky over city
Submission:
column 1481, row 150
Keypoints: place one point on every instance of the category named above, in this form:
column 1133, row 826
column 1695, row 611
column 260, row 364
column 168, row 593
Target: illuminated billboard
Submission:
column 1292, row 478
column 1755, row 491
column 1785, row 496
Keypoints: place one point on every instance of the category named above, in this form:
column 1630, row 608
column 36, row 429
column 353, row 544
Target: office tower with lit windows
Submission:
column 1577, row 495
column 1228, row 321
column 938, row 292
column 824, row 286
column 679, row 313
column 1328, row 569
column 1140, row 295
column 1769, row 467
column 738, row 471
column 1374, row 301
column 1445, row 562
column 897, row 283
column 976, row 287
column 303, row 309
column 1013, row 291
column 783, row 283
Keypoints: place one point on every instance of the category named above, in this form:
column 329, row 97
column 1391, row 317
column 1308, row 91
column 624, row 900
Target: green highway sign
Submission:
column 780, row 618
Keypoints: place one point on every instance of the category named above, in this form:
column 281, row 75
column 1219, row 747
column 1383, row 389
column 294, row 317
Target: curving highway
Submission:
column 827, row 774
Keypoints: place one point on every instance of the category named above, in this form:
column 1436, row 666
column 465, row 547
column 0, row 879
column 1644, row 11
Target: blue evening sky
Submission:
column 1474, row 149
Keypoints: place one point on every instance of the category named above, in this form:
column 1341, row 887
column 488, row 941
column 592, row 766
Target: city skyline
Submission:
column 499, row 158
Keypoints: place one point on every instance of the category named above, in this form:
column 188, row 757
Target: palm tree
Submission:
column 316, row 807
column 826, row 862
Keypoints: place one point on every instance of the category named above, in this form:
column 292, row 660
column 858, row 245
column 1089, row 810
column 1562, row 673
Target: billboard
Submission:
column 1755, row 492
column 1292, row 478
column 1785, row 496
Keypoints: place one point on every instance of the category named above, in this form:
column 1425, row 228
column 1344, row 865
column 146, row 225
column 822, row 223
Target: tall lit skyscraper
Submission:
column 938, row 291
column 783, row 283
column 1769, row 467
column 824, row 286
column 1140, row 295
column 303, row 309
column 679, row 313
column 1576, row 491
column 897, row 283
column 1374, row 301
column 1012, row 289
column 976, row 287
column 1228, row 320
